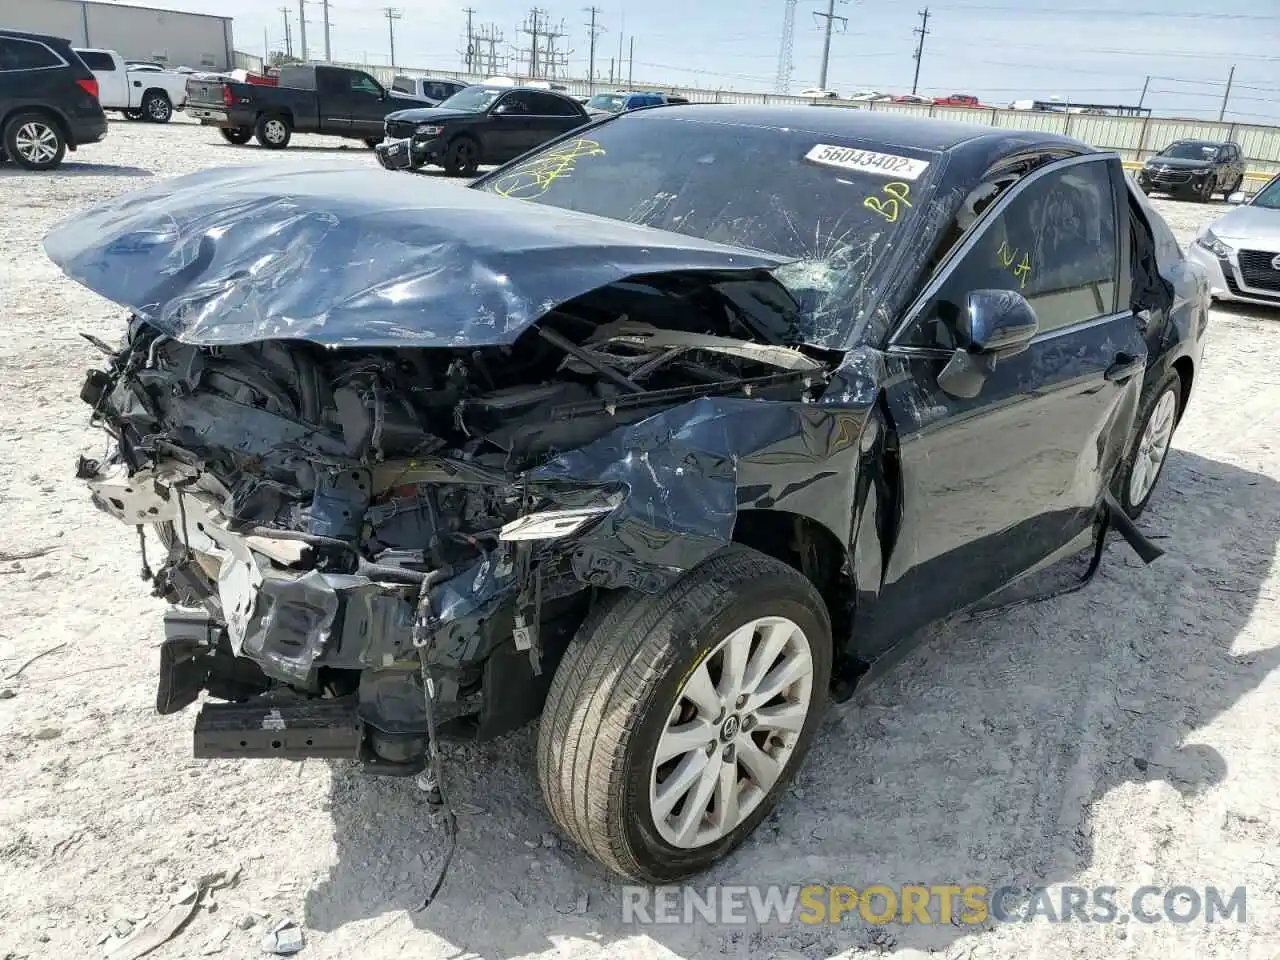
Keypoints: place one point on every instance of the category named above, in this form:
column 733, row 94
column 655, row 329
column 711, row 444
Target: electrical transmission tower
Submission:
column 392, row 15
column 785, row 50
column 487, row 60
column 922, row 30
column 540, row 54
column 555, row 62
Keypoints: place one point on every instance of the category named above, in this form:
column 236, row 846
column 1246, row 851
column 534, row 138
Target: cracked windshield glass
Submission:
column 834, row 209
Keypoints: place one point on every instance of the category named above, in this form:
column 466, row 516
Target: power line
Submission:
column 923, row 31
column 831, row 18
column 392, row 15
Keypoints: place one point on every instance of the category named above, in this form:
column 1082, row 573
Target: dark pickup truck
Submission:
column 309, row 98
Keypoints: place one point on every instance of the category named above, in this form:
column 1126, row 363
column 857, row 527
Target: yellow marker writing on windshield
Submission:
column 532, row 178
column 889, row 209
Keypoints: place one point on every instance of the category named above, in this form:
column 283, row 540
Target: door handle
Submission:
column 1124, row 368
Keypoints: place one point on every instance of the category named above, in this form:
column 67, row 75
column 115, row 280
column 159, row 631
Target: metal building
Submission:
column 171, row 37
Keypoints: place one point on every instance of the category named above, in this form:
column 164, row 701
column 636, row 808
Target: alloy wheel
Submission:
column 1153, row 447
column 274, row 131
column 159, row 109
column 735, row 723
column 36, row 142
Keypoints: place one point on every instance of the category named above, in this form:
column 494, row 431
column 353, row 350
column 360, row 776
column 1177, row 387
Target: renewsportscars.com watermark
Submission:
column 940, row 904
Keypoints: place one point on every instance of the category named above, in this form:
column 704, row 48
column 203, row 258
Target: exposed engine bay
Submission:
column 349, row 521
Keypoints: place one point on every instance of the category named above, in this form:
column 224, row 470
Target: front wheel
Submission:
column 463, row 158
column 236, row 135
column 34, row 142
column 675, row 722
column 1204, row 193
column 1157, row 418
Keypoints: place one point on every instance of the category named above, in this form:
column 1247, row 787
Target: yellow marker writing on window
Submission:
column 897, row 194
column 534, row 177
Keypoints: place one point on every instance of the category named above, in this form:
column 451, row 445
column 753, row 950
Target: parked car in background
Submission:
column 911, row 98
column 430, row 90
column 1241, row 249
column 622, row 100
column 819, row 93
column 633, row 433
column 1196, row 168
column 141, row 91
column 308, row 98
column 958, row 100
column 481, row 125
column 48, row 100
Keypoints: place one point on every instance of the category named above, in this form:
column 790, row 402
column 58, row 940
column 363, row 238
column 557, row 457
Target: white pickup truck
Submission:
column 140, row 92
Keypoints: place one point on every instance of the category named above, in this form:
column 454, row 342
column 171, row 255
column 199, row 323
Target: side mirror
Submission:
column 995, row 324
column 1237, row 198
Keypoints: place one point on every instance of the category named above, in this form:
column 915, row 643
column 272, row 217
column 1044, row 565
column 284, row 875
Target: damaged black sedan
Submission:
column 669, row 432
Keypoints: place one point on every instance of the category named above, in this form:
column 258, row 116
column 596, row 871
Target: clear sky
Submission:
column 1000, row 50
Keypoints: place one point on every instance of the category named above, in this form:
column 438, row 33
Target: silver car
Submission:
column 1241, row 250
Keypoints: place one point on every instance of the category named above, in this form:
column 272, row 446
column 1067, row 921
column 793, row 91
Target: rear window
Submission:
column 18, row 54
column 96, row 59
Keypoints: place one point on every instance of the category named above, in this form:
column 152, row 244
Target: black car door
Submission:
column 995, row 483
column 352, row 102
column 554, row 115
column 510, row 130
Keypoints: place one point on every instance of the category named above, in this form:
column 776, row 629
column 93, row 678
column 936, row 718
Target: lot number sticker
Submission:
column 883, row 164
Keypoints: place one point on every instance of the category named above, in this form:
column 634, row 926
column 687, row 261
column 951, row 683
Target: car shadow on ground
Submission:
column 977, row 762
column 74, row 169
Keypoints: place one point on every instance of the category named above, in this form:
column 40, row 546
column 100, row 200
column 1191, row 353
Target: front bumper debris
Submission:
column 403, row 154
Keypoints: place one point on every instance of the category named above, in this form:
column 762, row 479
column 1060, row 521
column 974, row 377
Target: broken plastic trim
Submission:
column 550, row 524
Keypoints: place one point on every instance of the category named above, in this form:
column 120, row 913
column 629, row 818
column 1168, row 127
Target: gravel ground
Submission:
column 1120, row 736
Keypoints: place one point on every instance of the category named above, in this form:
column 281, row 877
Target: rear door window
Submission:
column 18, row 54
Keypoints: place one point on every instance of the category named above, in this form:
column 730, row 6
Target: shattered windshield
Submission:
column 1190, row 150
column 473, row 99
column 835, row 207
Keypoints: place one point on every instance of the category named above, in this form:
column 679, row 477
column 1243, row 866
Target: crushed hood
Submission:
column 344, row 256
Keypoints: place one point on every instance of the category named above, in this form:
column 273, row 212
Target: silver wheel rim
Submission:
column 731, row 732
column 274, row 130
column 36, row 142
column 1153, row 447
column 159, row 109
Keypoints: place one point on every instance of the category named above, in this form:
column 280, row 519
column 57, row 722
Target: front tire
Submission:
column 675, row 722
column 156, row 107
column 1154, row 426
column 273, row 131
column 34, row 142
column 372, row 142
column 463, row 158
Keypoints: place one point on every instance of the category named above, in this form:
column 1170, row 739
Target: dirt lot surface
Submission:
column 1121, row 736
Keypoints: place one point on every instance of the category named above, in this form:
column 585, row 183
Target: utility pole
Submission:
column 1227, row 94
column 622, row 24
column 786, row 49
column 302, row 27
column 553, row 61
column 611, row 80
column 595, row 31
column 327, row 57
column 923, row 29
column 266, row 50
column 469, row 56
column 392, row 15
column 831, row 18
column 533, row 30
column 1142, row 99
column 631, row 61
column 288, row 33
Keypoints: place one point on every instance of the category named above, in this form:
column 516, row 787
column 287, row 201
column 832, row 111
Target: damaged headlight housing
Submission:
column 428, row 130
column 558, row 522
column 1209, row 241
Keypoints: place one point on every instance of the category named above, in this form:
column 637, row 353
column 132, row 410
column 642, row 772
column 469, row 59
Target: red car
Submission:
column 958, row 100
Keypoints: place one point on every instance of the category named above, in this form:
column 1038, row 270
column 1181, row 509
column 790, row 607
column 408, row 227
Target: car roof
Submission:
column 903, row 130
column 39, row 37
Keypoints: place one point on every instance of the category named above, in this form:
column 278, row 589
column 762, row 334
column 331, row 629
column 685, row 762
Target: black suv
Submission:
column 1200, row 168
column 48, row 101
